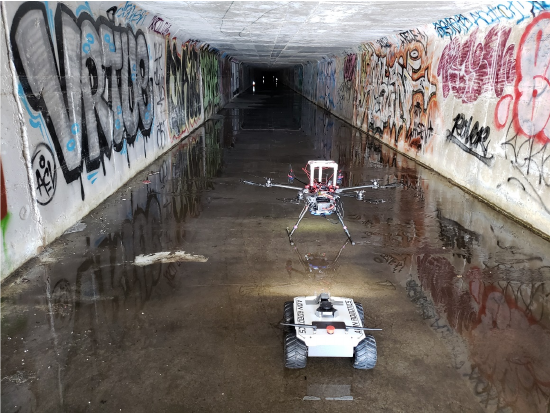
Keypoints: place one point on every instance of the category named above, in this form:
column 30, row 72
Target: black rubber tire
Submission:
column 295, row 352
column 361, row 312
column 288, row 316
column 364, row 355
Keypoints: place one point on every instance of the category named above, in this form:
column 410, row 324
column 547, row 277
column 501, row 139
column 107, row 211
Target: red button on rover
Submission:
column 330, row 329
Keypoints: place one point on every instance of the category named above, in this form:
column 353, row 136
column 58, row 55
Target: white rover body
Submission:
column 321, row 326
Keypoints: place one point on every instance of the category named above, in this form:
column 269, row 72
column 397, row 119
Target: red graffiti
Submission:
column 532, row 89
column 349, row 67
column 470, row 69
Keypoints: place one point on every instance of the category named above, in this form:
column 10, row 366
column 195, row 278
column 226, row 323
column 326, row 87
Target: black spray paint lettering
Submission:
column 158, row 73
column 45, row 173
column 96, row 96
column 469, row 140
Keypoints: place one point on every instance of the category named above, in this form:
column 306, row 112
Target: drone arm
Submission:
column 270, row 184
column 341, row 190
column 291, row 187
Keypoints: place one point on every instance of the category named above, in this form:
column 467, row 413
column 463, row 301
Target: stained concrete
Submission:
column 460, row 292
column 275, row 34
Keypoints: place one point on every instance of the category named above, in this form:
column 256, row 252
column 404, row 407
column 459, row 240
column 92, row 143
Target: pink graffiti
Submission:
column 470, row 69
column 532, row 89
column 349, row 67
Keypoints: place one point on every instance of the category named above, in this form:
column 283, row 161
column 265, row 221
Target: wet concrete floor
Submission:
column 462, row 293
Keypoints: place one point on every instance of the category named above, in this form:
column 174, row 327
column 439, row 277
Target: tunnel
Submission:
column 275, row 206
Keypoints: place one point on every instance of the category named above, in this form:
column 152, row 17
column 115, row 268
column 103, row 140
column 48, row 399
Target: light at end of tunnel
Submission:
column 253, row 83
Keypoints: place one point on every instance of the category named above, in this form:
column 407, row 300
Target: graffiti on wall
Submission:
column 160, row 93
column 226, row 77
column 347, row 87
column 131, row 14
column 396, row 92
column 210, row 82
column 528, row 132
column 4, row 213
column 97, row 96
column 511, row 11
column 182, row 87
column 472, row 68
column 531, row 108
column 160, row 26
column 471, row 139
column 326, row 83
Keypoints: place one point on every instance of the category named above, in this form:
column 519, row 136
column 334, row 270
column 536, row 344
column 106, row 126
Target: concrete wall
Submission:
column 90, row 97
column 468, row 96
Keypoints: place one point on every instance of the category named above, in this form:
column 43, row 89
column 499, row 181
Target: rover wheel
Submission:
column 288, row 316
column 361, row 312
column 295, row 351
column 364, row 355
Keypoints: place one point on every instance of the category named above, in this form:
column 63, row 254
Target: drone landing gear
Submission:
column 290, row 233
column 344, row 226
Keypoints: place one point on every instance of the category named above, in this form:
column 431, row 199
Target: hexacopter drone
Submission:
column 322, row 195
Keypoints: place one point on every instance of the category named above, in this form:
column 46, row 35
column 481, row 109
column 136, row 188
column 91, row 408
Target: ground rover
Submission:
column 321, row 326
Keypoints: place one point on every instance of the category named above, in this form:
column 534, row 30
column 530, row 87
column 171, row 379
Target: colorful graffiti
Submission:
column 396, row 93
column 182, row 87
column 131, row 14
column 4, row 213
column 512, row 11
column 87, row 114
column 210, row 82
column 528, row 132
column 532, row 88
column 102, row 91
column 471, row 68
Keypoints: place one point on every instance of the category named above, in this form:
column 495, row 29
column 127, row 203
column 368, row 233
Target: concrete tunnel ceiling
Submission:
column 277, row 34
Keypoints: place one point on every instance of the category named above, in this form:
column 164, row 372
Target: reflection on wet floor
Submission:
column 85, row 329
